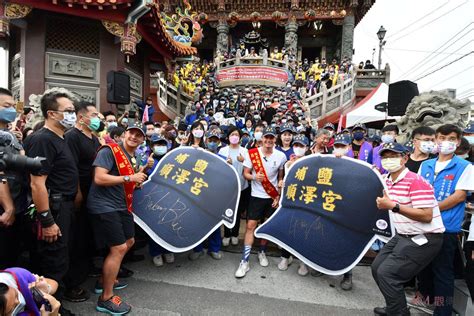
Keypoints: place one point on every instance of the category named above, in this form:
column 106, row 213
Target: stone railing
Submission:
column 370, row 79
column 263, row 61
column 329, row 101
column 172, row 101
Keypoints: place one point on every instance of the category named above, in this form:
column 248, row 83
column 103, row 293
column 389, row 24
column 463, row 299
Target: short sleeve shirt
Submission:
column 272, row 165
column 107, row 199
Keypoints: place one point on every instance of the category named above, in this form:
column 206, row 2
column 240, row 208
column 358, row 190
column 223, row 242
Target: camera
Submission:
column 14, row 162
column 40, row 300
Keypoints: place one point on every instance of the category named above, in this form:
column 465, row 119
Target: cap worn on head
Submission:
column 393, row 147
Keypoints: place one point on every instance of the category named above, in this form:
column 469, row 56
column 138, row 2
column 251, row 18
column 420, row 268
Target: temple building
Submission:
column 75, row 43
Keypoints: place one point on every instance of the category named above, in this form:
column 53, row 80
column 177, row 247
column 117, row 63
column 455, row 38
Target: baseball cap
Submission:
column 198, row 210
column 287, row 128
column 310, row 227
column 156, row 138
column 300, row 139
column 469, row 128
column 214, row 133
column 342, row 139
column 359, row 126
column 329, row 125
column 138, row 128
column 394, row 147
column 269, row 131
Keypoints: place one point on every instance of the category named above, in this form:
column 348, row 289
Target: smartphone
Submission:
column 40, row 300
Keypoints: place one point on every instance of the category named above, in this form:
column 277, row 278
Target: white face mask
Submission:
column 387, row 139
column 392, row 164
column 258, row 136
column 198, row 133
column 341, row 151
column 447, row 147
column 21, row 305
column 299, row 151
column 112, row 124
column 69, row 119
column 427, row 147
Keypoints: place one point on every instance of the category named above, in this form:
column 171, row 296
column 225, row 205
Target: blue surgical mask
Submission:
column 7, row 115
column 212, row 146
column 160, row 150
column 358, row 135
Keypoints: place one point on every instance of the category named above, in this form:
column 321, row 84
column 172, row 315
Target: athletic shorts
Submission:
column 113, row 228
column 259, row 208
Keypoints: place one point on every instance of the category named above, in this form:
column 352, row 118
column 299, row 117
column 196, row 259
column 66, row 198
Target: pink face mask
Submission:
column 234, row 139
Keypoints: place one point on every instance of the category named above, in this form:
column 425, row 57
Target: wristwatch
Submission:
column 396, row 208
column 126, row 178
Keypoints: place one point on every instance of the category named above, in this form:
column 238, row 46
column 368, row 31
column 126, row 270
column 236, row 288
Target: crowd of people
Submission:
column 94, row 160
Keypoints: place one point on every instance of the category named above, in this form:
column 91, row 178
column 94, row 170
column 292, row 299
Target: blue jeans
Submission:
column 215, row 242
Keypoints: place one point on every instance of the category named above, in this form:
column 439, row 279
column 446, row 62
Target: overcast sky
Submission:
column 421, row 37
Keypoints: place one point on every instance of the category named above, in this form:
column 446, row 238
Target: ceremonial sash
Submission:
column 258, row 166
column 125, row 169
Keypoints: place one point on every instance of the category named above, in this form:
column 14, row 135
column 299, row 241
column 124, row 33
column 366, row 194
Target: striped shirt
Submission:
column 413, row 191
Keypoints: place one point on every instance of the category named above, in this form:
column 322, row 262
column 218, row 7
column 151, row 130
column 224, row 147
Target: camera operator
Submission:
column 24, row 293
column 13, row 191
column 54, row 187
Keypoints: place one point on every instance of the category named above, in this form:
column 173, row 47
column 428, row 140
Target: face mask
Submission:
column 470, row 139
column 340, row 151
column 7, row 115
column 392, row 164
column 299, row 128
column 387, row 139
column 447, row 147
column 125, row 120
column 112, row 124
column 299, row 151
column 358, row 135
column 198, row 133
column 101, row 127
column 258, row 136
column 21, row 305
column 234, row 139
column 283, row 121
column 69, row 119
column 160, row 150
column 464, row 156
column 427, row 147
column 212, row 146
column 94, row 123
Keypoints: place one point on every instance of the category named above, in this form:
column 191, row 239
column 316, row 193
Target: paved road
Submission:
column 208, row 287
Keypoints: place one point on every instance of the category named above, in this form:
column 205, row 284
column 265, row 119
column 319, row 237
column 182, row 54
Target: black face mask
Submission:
column 101, row 127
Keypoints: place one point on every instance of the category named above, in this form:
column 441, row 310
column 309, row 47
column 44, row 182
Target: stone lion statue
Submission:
column 433, row 109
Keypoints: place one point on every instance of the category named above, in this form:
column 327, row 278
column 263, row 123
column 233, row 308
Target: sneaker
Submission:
column 316, row 274
column 195, row 255
column 65, row 312
column 234, row 241
column 380, row 311
column 225, row 241
column 284, row 263
column 118, row 285
column 262, row 259
column 244, row 267
column 419, row 303
column 124, row 273
column 303, row 269
column 76, row 295
column 169, row 257
column 158, row 261
column 346, row 283
column 216, row 255
column 113, row 306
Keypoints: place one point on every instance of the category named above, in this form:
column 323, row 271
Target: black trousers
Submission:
column 243, row 204
column 52, row 259
column 469, row 272
column 14, row 240
column 399, row 261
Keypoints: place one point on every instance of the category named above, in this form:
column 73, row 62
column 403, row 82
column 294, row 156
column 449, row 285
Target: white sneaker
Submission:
column 262, row 259
column 303, row 269
column 234, row 241
column 216, row 255
column 284, row 263
column 169, row 257
column 158, row 261
column 244, row 267
column 225, row 241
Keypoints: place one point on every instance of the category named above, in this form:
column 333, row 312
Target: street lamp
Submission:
column 381, row 34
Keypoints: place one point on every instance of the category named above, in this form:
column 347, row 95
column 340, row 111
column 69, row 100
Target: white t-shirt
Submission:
column 238, row 166
column 272, row 165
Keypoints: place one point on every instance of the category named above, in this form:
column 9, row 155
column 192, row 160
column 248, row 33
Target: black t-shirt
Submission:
column 356, row 150
column 84, row 150
column 414, row 166
column 59, row 166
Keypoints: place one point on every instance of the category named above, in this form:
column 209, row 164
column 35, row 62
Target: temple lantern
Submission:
column 277, row 16
column 203, row 18
column 129, row 41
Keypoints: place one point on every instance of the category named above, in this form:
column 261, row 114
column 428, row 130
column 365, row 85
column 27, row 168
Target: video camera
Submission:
column 14, row 162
